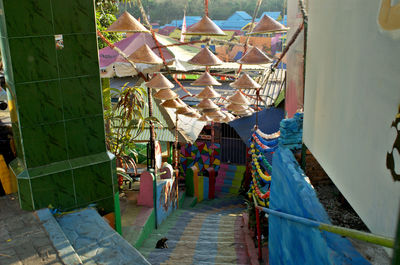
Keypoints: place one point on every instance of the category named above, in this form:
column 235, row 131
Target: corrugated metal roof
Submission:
column 269, row 93
column 162, row 135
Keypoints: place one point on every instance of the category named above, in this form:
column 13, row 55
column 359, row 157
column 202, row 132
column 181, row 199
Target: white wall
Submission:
column 351, row 98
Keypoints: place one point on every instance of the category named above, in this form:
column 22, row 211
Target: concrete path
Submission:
column 23, row 239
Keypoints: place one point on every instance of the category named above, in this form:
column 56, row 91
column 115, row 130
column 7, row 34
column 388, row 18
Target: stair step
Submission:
column 204, row 234
column 225, row 251
column 63, row 246
column 202, row 259
column 95, row 241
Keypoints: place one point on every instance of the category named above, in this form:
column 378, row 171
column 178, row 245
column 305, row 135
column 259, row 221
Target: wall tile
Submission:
column 24, row 190
column 39, row 103
column 79, row 56
column 44, row 144
column 21, row 21
column 17, row 140
column 81, row 97
column 85, row 136
column 3, row 30
column 33, row 59
column 50, row 169
column 56, row 189
column 92, row 183
column 6, row 59
column 83, row 161
column 73, row 16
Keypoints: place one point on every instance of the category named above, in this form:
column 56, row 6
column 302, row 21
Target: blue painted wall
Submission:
column 166, row 199
column 293, row 243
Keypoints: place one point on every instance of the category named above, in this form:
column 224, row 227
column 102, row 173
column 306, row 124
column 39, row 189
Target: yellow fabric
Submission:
column 7, row 178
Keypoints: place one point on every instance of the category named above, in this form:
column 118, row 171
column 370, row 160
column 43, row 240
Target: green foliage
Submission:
column 163, row 11
column 106, row 11
column 124, row 122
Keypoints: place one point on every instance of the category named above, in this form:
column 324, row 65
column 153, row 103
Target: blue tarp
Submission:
column 268, row 122
column 292, row 243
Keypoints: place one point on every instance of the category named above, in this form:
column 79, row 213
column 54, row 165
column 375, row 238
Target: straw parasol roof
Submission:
column 208, row 92
column 207, row 104
column 254, row 56
column 245, row 82
column 205, row 27
column 204, row 117
column 185, row 110
column 145, row 55
column 206, row 80
column 267, row 24
column 238, row 98
column 236, row 107
column 126, row 23
column 159, row 82
column 165, row 94
column 172, row 103
column 206, row 58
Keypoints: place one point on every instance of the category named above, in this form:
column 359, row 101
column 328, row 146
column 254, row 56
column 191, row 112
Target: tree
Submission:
column 106, row 11
column 163, row 11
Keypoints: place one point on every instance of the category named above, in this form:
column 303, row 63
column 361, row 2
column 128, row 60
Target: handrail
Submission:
column 348, row 232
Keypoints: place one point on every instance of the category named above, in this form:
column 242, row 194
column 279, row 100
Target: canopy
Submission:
column 113, row 64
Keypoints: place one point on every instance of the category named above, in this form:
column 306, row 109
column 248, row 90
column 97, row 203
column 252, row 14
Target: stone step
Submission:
column 63, row 246
column 95, row 241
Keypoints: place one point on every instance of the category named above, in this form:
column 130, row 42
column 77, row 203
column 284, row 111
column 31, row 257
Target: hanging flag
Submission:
column 183, row 28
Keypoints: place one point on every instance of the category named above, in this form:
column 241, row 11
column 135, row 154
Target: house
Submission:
column 166, row 30
column 236, row 21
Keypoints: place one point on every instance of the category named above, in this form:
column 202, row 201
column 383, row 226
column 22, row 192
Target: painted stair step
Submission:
column 205, row 259
column 157, row 254
column 205, row 263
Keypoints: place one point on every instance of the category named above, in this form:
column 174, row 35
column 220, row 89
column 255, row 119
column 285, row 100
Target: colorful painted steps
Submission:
column 138, row 221
column 201, row 187
column 229, row 178
column 84, row 237
column 208, row 233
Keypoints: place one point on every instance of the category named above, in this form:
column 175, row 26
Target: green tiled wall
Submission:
column 56, row 104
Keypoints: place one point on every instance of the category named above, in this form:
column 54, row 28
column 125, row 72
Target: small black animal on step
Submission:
column 162, row 243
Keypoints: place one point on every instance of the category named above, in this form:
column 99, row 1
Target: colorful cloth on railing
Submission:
column 268, row 136
column 262, row 147
column 268, row 143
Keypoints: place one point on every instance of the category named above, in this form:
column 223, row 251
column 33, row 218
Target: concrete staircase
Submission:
column 208, row 233
column 229, row 178
column 83, row 237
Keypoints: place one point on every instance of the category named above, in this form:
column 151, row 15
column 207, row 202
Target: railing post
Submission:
column 259, row 234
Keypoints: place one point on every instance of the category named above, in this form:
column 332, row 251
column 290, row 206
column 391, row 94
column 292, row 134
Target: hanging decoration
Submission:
column 268, row 25
column 127, row 23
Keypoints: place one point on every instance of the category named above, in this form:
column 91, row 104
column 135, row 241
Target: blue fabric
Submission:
column 294, row 243
column 292, row 132
column 269, row 143
column 265, row 151
column 268, row 122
